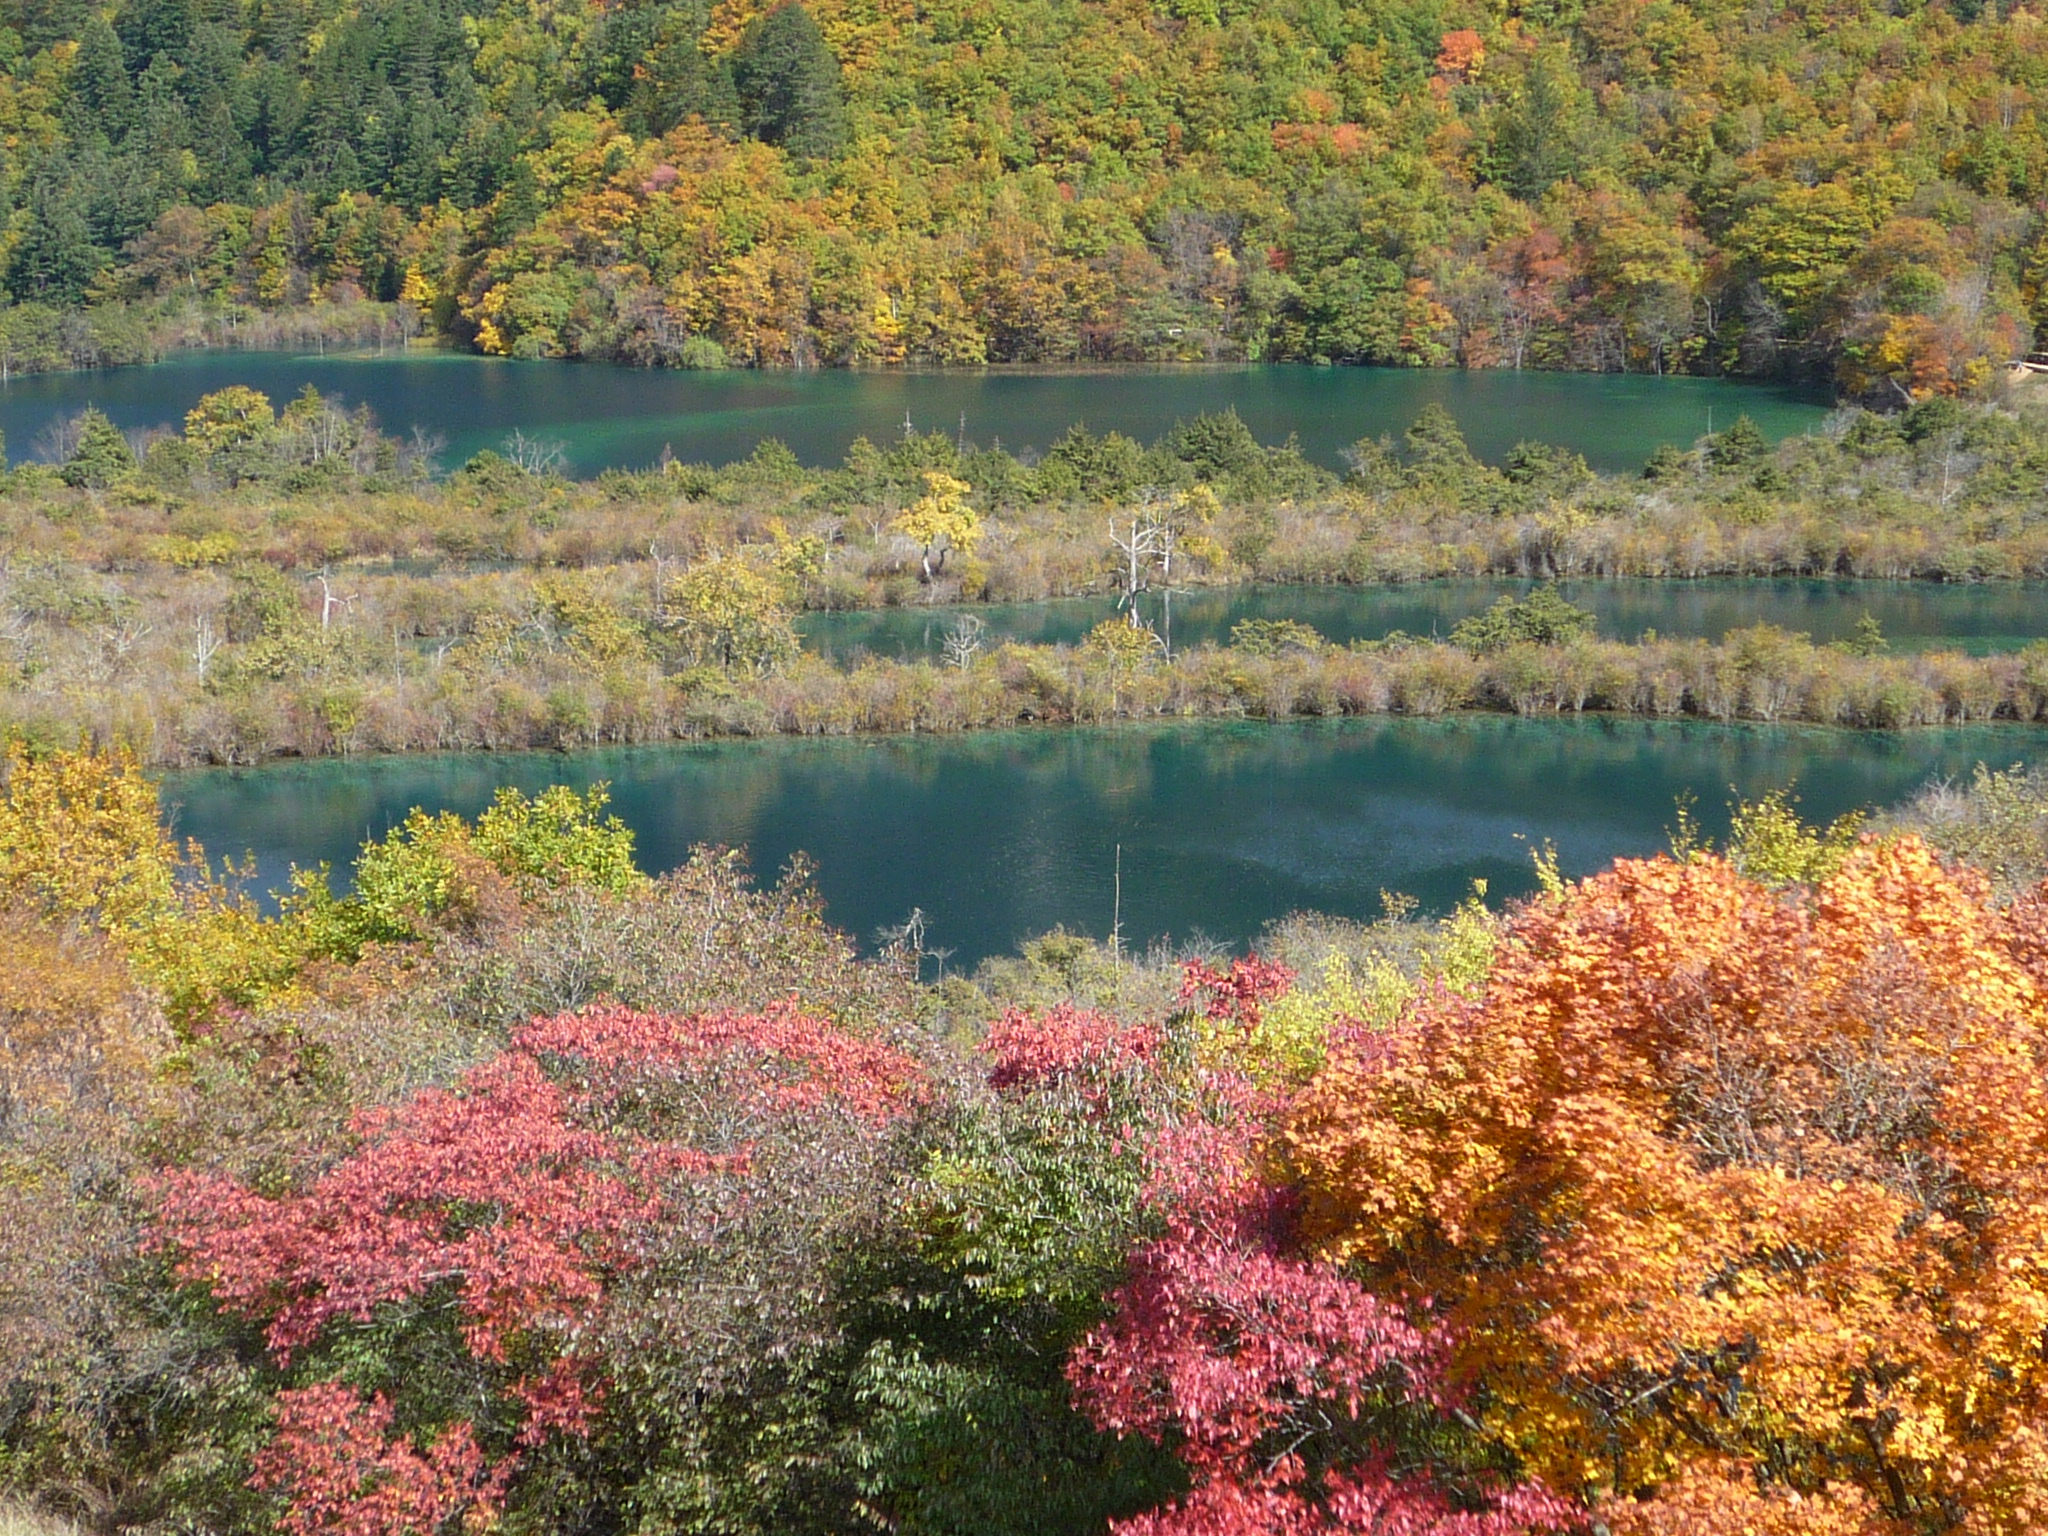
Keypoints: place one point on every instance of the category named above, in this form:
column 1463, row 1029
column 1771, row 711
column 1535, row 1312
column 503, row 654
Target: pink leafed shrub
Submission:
column 525, row 1190
column 1032, row 1052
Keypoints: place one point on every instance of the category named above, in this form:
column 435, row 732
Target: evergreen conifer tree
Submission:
column 788, row 83
column 102, row 455
column 56, row 258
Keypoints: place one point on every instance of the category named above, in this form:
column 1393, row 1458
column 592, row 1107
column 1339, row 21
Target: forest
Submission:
column 1834, row 190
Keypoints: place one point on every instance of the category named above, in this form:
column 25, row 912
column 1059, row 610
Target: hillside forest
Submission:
column 1834, row 189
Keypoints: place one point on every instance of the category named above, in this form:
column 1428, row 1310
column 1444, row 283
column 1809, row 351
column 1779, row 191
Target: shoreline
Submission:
column 1060, row 687
column 1592, row 720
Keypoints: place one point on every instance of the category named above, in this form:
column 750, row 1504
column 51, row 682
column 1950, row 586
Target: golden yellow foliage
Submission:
column 1735, row 1199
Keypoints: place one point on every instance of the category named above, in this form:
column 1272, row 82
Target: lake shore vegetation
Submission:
column 518, row 1188
column 289, row 580
column 1852, row 198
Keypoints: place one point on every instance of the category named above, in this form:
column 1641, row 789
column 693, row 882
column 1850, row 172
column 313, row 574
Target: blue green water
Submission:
column 1223, row 828
column 1911, row 615
column 607, row 417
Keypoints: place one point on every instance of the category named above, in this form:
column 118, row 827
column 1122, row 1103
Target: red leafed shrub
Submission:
column 1240, row 992
column 522, row 1194
column 1068, row 1042
column 346, row 1475
column 1277, row 1381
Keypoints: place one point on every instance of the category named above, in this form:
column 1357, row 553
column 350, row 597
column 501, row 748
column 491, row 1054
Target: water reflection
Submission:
column 1223, row 827
column 610, row 417
column 1979, row 619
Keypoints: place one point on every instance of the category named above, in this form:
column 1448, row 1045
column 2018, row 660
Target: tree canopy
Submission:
column 1687, row 187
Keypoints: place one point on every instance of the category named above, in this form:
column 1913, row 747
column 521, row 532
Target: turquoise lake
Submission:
column 605, row 416
column 1912, row 615
column 1223, row 827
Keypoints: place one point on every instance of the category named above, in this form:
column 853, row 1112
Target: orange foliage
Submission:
column 1462, row 52
column 1736, row 1201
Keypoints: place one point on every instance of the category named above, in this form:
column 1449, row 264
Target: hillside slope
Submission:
column 1844, row 190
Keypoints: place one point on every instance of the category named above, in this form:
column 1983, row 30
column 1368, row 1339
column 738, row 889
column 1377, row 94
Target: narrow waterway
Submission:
column 1912, row 615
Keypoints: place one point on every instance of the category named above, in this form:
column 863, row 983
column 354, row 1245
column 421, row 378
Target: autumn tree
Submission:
column 728, row 613
column 444, row 1308
column 1729, row 1197
column 940, row 521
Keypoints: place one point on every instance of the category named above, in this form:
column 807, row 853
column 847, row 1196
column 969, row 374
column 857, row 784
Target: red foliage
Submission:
column 1069, row 1042
column 521, row 1188
column 494, row 1186
column 347, row 1476
column 777, row 1061
column 1239, row 993
column 1243, row 1355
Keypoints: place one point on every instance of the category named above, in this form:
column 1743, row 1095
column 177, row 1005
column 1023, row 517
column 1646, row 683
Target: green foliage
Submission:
column 559, row 838
column 1768, row 841
column 262, row 604
column 431, row 871
column 102, row 455
column 1666, row 462
column 1740, row 447
column 1357, row 974
column 1541, row 618
column 1275, row 637
column 1868, row 640
column 788, row 84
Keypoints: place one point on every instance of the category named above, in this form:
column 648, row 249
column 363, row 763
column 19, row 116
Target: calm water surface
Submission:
column 1912, row 615
column 606, row 417
column 1002, row 835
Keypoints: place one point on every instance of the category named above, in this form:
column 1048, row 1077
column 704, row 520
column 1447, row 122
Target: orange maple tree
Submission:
column 1733, row 1201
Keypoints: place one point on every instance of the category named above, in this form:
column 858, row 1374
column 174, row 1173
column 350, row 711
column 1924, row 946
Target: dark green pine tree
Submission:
column 56, row 258
column 102, row 455
column 152, row 27
column 676, row 81
column 102, row 94
column 1742, row 445
column 788, row 84
column 1535, row 141
column 43, row 22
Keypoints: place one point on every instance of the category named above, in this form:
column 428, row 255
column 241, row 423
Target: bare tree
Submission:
column 962, row 642
column 418, row 455
column 331, row 599
column 206, row 644
column 1138, row 544
column 534, row 456
column 114, row 647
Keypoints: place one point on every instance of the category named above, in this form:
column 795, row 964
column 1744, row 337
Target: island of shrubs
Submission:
column 291, row 581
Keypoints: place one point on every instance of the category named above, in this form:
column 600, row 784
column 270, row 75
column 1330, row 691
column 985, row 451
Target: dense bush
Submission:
column 1702, row 1195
